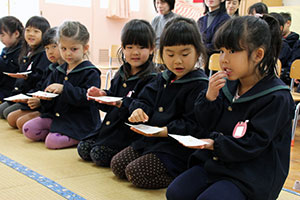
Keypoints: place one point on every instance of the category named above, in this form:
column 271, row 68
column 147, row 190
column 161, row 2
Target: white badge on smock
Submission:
column 29, row 66
column 240, row 129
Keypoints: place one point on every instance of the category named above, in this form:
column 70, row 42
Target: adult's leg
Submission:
column 148, row 172
column 11, row 108
column 84, row 149
column 37, row 129
column 15, row 115
column 25, row 118
column 224, row 189
column 188, row 185
column 59, row 141
column 121, row 160
column 102, row 155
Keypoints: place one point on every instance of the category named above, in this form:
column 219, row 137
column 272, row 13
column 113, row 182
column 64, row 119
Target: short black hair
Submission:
column 50, row 36
column 171, row 4
column 43, row 25
column 249, row 33
column 137, row 32
column 38, row 22
column 279, row 18
column 182, row 31
column 11, row 24
column 286, row 16
column 259, row 8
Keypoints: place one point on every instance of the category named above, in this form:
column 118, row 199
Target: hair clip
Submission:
column 258, row 15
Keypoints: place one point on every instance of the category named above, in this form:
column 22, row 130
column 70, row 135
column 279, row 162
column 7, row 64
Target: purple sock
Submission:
column 58, row 141
column 37, row 129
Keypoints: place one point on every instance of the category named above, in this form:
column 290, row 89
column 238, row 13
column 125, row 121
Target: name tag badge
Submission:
column 240, row 129
column 130, row 93
column 29, row 67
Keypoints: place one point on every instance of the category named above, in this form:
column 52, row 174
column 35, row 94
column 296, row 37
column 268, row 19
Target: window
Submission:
column 134, row 5
column 81, row 3
column 103, row 3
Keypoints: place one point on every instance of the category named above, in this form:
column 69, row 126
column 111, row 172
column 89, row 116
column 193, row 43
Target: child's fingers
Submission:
column 145, row 117
column 91, row 91
column 218, row 75
column 135, row 118
column 138, row 116
column 141, row 116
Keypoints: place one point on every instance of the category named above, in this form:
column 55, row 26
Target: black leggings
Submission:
column 144, row 171
column 101, row 155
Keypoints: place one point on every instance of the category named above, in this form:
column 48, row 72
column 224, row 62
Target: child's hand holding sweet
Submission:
column 34, row 103
column 95, row 92
column 138, row 115
column 55, row 88
column 216, row 82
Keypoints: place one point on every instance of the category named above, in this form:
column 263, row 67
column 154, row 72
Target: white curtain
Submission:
column 118, row 9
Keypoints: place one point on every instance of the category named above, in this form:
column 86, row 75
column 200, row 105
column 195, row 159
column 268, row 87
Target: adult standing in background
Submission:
column 164, row 8
column 215, row 16
column 232, row 7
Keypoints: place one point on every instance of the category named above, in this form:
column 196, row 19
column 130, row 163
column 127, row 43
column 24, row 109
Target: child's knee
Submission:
column 118, row 167
column 102, row 155
column 12, row 119
column 29, row 131
column 84, row 148
column 20, row 123
column 6, row 112
column 58, row 141
column 136, row 176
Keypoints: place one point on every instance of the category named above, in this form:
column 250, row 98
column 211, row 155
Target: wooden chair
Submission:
column 157, row 59
column 278, row 67
column 214, row 63
column 113, row 54
column 295, row 74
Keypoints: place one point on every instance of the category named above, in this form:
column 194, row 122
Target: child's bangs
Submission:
column 230, row 36
column 39, row 24
column 174, row 38
column 179, row 35
column 136, row 37
column 3, row 28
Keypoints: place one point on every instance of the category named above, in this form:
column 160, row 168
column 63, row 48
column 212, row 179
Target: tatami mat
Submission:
column 68, row 170
column 15, row 186
column 62, row 166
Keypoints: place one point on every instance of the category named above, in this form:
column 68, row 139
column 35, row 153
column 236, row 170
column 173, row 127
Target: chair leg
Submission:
column 210, row 73
column 106, row 80
column 295, row 123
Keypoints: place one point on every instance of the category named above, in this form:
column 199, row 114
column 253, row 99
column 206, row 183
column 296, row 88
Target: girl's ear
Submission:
column 152, row 50
column 17, row 34
column 258, row 55
column 86, row 48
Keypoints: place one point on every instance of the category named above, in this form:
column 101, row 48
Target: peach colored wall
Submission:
column 104, row 31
